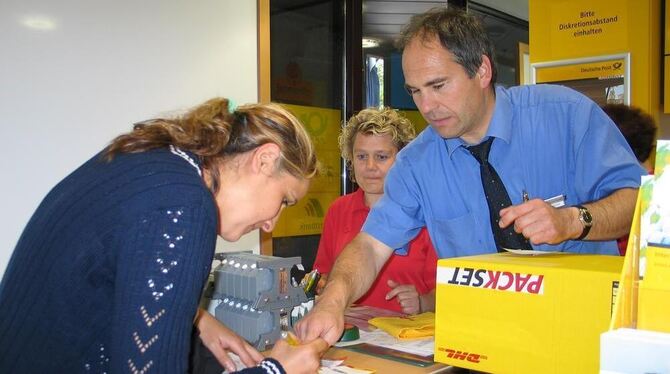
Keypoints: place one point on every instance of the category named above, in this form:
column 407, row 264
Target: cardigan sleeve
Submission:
column 267, row 366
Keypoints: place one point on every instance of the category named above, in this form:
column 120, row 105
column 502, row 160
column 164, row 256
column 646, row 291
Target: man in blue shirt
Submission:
column 548, row 142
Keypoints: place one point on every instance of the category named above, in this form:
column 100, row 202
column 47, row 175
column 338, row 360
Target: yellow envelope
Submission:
column 407, row 327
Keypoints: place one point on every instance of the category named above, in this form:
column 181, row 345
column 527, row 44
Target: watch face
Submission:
column 585, row 216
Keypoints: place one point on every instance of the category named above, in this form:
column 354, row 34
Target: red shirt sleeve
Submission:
column 325, row 255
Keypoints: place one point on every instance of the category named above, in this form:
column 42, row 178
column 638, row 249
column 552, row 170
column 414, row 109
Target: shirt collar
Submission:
column 499, row 127
column 358, row 202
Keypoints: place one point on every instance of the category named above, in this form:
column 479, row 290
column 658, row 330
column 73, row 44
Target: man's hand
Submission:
column 541, row 223
column 220, row 340
column 406, row 295
column 324, row 321
column 355, row 269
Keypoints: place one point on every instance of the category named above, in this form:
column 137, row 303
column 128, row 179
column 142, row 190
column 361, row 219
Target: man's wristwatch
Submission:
column 586, row 219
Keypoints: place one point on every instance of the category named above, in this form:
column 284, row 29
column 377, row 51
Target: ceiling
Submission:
column 505, row 21
column 383, row 19
column 515, row 8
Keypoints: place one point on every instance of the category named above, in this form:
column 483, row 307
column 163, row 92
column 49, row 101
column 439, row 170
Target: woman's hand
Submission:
column 302, row 358
column 406, row 295
column 410, row 300
column 220, row 340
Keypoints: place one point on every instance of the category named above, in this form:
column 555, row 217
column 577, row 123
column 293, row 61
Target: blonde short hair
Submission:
column 373, row 121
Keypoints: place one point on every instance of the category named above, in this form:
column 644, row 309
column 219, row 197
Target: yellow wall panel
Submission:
column 570, row 29
column 416, row 118
column 666, row 85
column 306, row 217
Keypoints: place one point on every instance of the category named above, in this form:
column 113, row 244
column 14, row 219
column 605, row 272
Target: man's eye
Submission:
column 382, row 157
column 411, row 91
column 361, row 157
column 438, row 86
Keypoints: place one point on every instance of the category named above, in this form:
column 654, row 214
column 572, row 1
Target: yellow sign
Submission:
column 569, row 29
column 598, row 70
column 306, row 218
column 625, row 307
column 654, row 291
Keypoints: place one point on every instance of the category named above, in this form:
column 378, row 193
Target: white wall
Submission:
column 88, row 69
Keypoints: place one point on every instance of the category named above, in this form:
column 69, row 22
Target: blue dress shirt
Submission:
column 550, row 140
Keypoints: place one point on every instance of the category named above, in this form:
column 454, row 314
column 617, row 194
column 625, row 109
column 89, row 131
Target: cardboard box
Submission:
column 507, row 313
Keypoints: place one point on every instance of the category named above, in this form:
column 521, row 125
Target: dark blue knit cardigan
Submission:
column 107, row 274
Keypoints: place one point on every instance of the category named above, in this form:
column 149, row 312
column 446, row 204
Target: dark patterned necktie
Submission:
column 497, row 199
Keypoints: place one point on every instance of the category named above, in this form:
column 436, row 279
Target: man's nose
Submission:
column 426, row 103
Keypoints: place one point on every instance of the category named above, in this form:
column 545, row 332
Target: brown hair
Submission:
column 214, row 134
column 637, row 127
column 373, row 121
column 460, row 33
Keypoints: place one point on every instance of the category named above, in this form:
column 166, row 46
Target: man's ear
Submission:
column 265, row 157
column 485, row 72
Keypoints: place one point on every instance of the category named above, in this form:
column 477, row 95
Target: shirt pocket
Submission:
column 459, row 236
column 557, row 198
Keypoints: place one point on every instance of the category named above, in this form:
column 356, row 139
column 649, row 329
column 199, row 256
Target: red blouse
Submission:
column 343, row 222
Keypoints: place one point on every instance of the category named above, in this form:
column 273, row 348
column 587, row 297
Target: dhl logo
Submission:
column 463, row 356
column 492, row 279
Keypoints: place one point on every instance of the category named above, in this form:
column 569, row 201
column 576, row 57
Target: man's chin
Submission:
column 445, row 133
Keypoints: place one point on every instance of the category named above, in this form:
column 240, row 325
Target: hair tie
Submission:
column 232, row 106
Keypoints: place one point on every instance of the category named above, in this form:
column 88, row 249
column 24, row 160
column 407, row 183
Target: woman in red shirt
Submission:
column 369, row 143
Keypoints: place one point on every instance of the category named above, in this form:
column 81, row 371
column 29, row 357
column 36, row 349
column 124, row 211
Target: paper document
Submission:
column 422, row 347
column 525, row 252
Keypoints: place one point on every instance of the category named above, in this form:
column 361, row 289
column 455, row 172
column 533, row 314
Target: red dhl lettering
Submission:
column 463, row 356
column 492, row 279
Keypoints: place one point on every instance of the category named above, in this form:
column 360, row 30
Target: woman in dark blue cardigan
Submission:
column 107, row 275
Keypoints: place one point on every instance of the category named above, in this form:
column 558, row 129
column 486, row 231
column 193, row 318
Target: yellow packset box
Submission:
column 508, row 313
